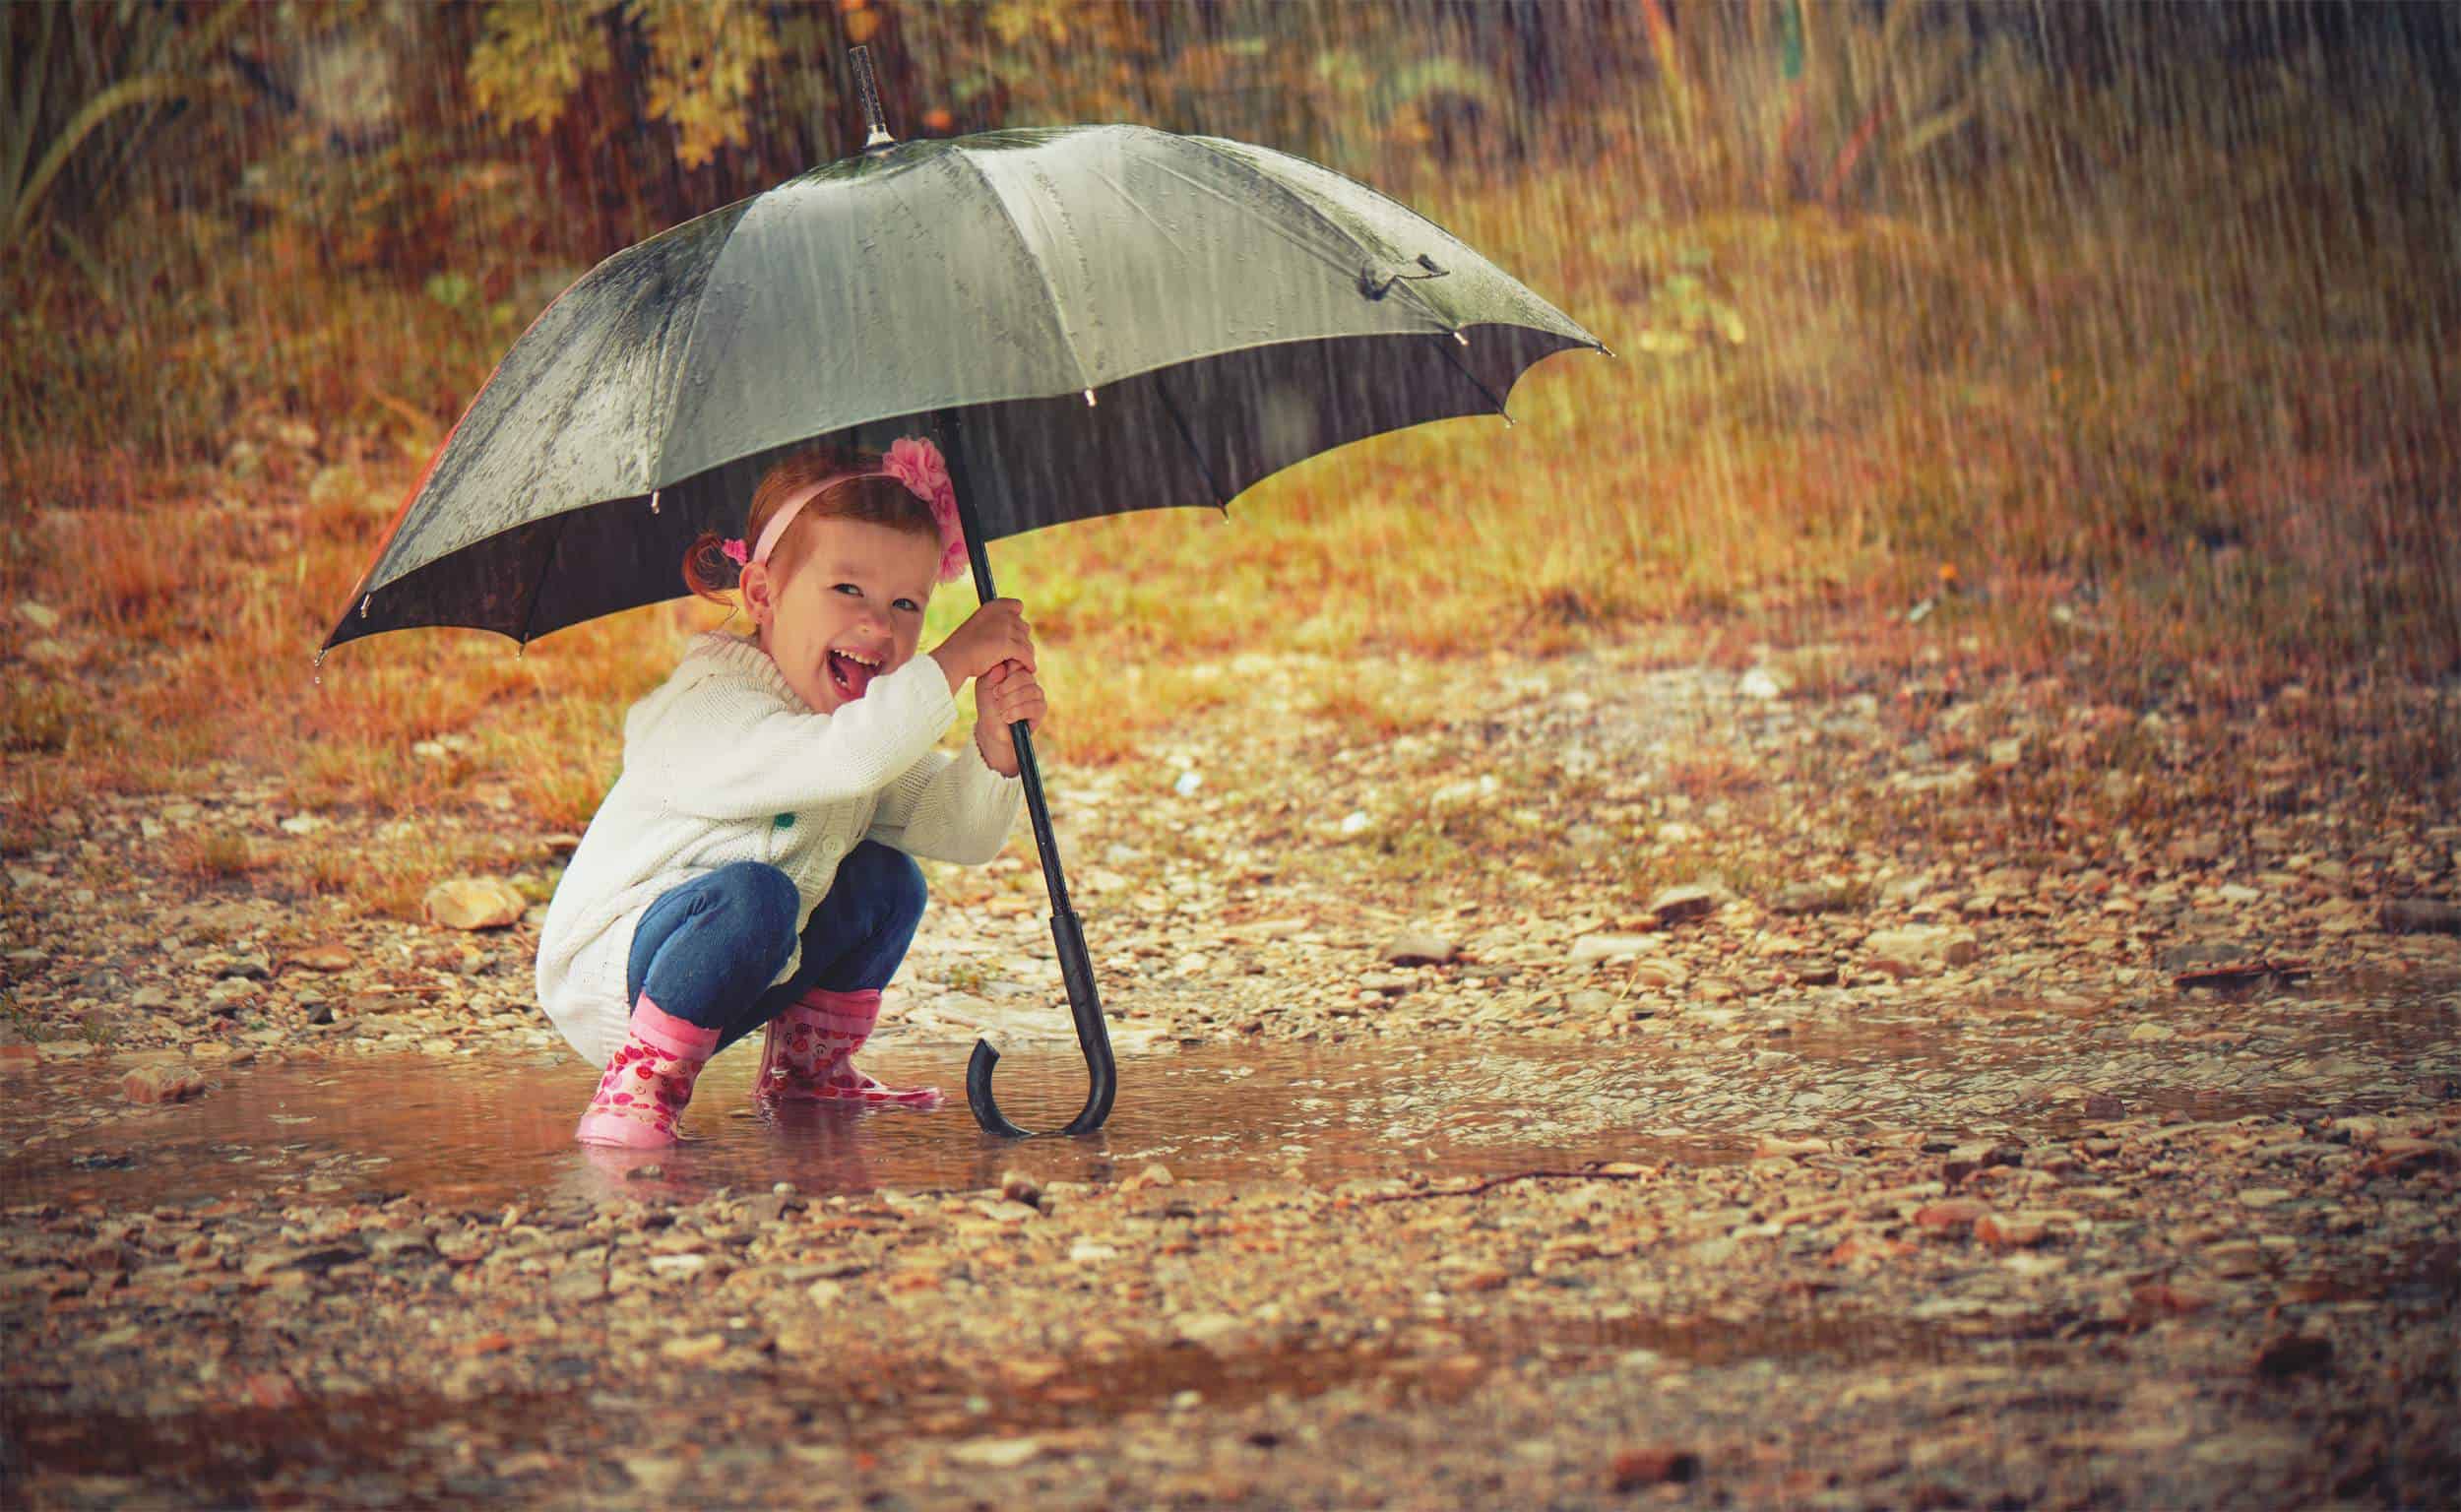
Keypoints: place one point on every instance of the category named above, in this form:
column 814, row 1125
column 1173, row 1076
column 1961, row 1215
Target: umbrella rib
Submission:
column 1180, row 422
column 1455, row 358
column 1050, row 296
column 537, row 585
column 1318, row 211
column 692, row 328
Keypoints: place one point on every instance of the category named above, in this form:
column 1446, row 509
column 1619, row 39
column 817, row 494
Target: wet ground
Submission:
column 1951, row 1184
column 1282, row 1274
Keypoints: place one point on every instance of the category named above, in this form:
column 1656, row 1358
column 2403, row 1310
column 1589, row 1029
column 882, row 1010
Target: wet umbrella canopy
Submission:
column 1229, row 310
column 1089, row 320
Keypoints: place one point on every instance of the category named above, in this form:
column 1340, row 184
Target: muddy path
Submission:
column 1820, row 1125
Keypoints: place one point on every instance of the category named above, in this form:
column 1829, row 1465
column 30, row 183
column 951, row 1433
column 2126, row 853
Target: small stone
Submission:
column 2002, row 1231
column 1773, row 1148
column 161, row 1084
column 824, row 1293
column 692, row 1349
column 1637, row 1468
column 1675, row 904
column 247, row 966
column 2262, row 1196
column 40, row 615
column 1419, row 950
column 1205, row 1327
column 1662, row 973
column 2150, row 1031
column 995, row 1453
column 1810, row 898
column 1953, row 1216
column 1018, row 1187
column 1591, row 948
column 474, row 903
column 1965, row 1159
column 1902, row 952
column 322, row 958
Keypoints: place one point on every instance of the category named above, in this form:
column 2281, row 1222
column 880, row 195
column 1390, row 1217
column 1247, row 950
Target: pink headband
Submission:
column 912, row 461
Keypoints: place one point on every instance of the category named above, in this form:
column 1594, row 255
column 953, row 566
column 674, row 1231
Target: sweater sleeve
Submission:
column 948, row 809
column 722, row 747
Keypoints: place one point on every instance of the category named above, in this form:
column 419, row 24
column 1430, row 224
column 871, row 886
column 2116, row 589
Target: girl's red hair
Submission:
column 709, row 573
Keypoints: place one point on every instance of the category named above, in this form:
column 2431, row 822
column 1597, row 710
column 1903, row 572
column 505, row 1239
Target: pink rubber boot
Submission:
column 810, row 1053
column 648, row 1081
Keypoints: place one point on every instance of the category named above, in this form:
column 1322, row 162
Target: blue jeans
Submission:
column 707, row 951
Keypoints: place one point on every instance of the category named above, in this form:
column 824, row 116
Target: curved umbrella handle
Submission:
column 1093, row 1038
column 1076, row 970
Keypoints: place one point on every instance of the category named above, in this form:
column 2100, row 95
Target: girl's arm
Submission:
column 722, row 749
column 948, row 810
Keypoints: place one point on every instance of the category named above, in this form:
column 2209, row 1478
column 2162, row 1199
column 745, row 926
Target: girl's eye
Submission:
column 849, row 587
column 910, row 605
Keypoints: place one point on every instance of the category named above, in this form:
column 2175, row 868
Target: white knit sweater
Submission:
column 725, row 763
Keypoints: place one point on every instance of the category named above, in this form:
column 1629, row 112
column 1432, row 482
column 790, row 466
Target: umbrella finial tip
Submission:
column 1089, row 399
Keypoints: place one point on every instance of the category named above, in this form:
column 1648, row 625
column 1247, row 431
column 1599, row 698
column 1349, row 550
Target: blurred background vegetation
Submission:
column 2115, row 339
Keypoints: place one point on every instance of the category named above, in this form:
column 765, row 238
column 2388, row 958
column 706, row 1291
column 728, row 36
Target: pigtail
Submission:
column 709, row 571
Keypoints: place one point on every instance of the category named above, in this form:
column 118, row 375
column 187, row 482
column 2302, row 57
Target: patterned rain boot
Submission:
column 810, row 1053
column 648, row 1081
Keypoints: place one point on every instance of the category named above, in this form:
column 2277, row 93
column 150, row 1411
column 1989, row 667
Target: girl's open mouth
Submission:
column 849, row 673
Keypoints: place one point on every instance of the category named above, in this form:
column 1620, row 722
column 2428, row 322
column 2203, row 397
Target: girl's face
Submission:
column 851, row 610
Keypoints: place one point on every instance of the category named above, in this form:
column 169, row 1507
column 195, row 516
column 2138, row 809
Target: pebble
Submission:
column 1901, row 951
column 161, row 1084
column 1592, row 948
column 995, row 1453
column 474, row 903
column 1419, row 950
column 1675, row 904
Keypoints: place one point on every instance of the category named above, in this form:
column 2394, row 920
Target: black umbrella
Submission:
column 1088, row 320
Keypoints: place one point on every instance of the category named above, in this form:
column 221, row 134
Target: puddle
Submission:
column 485, row 1133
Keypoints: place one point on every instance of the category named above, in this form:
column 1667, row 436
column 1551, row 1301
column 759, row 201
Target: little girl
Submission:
column 751, row 865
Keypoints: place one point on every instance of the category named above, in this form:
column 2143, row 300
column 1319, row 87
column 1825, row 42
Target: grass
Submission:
column 2102, row 455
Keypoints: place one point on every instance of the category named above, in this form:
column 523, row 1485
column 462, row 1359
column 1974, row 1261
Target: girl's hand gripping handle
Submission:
column 995, row 633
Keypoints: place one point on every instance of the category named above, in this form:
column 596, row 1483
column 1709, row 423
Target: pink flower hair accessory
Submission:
column 736, row 551
column 918, row 463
